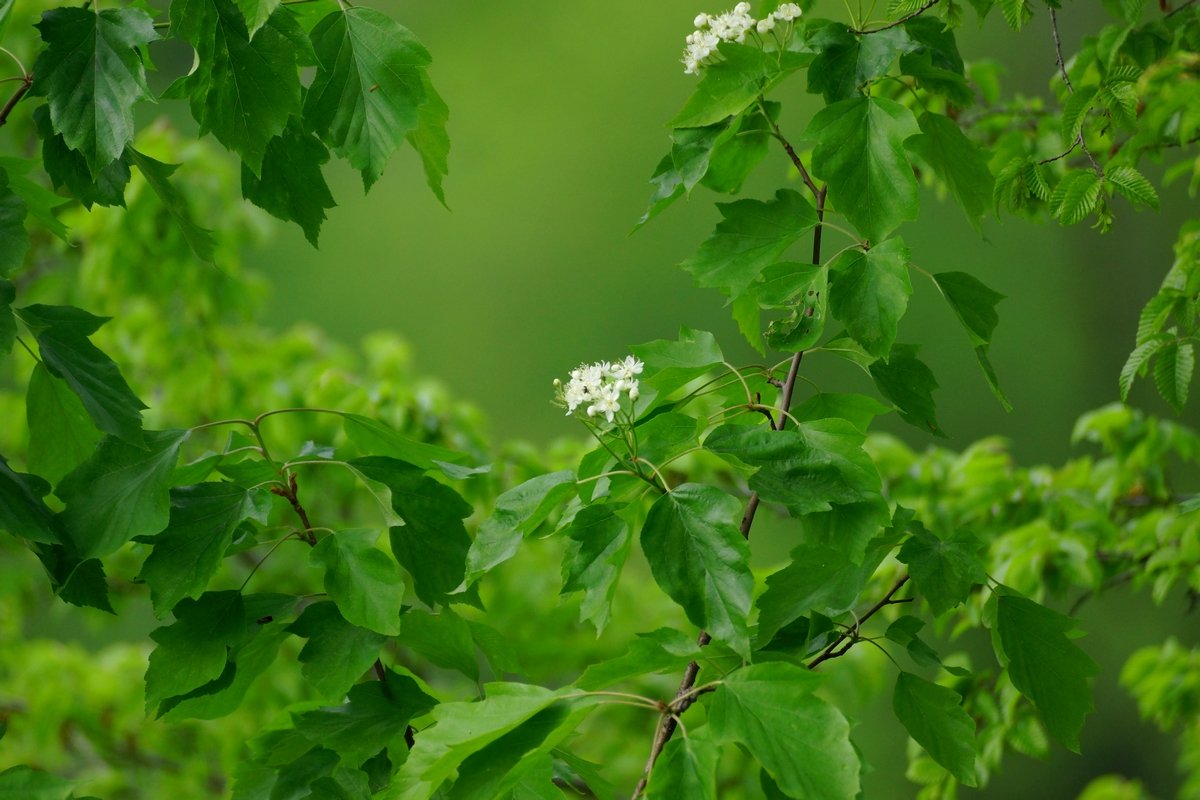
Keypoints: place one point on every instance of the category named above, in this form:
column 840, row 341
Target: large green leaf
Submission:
column 860, row 152
column 943, row 570
column 933, row 715
column 290, row 185
column 686, row 768
column 592, row 564
column 907, row 382
column 752, row 235
column 158, row 176
column 957, row 161
column 1173, row 368
column 194, row 649
column 242, row 89
column 803, row 289
column 62, row 335
column 190, row 550
column 337, row 653
column 362, row 579
column 1045, row 664
column 368, row 89
column 517, row 513
column 121, row 492
column 443, row 639
column 61, row 435
column 23, row 513
column 92, row 76
column 800, row 740
column 846, row 62
column 374, row 714
column 700, row 559
column 870, row 293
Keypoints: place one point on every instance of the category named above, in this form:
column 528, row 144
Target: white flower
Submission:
column 787, row 12
column 766, row 25
column 608, row 402
column 625, row 370
column 741, row 8
column 732, row 25
column 701, row 20
column 575, row 396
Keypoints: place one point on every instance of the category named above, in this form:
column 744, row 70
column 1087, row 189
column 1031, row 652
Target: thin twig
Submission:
column 851, row 636
column 1175, row 11
column 1062, row 69
column 900, row 21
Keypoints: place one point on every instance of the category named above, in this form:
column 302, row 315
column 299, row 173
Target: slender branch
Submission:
column 850, row 636
column 900, row 21
column 1182, row 7
column 686, row 695
column 1062, row 69
column 22, row 90
column 791, row 151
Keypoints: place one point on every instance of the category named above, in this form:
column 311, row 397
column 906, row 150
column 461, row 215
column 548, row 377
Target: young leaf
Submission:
column 190, row 550
column 860, row 152
column 700, row 560
column 290, row 185
column 363, row 581
column 337, row 654
column 943, row 571
column 870, row 293
column 908, row 383
column 1076, row 196
column 1045, row 664
column 1136, row 363
column 686, row 768
column 14, row 239
column 1133, row 186
column 121, row 492
column 1016, row 12
column 1173, row 368
column 92, row 76
column 517, row 513
column 751, row 235
column 62, row 335
column 592, row 564
column 846, row 62
column 957, row 161
column 374, row 714
column 157, row 175
column 975, row 306
column 368, row 89
column 800, row 740
column 933, row 715
column 192, row 651
column 23, row 513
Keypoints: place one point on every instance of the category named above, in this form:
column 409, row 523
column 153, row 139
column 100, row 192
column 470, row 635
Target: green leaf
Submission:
column 337, row 653
column 808, row 467
column 517, row 513
column 8, row 323
column 733, row 159
column 663, row 650
column 1136, row 363
column 243, row 90
column 957, row 161
column 374, row 715
column 256, row 12
column 192, row 651
column 444, row 639
column 157, row 175
column 378, row 439
column 728, row 87
column 14, row 240
column 25, row 783
column 1075, row 111
column 800, row 740
column 599, row 545
column 1076, row 196
column 860, row 153
column 80, row 582
column 368, row 89
column 462, row 729
column 61, row 435
column 23, row 513
column 671, row 364
column 700, row 559
column 687, row 163
column 363, row 580
column 846, row 62
column 429, row 138
column 290, row 185
column 904, row 631
column 975, row 306
column 39, row 202
column 905, row 381
column 1133, row 186
column 802, row 288
column 92, row 76
column 870, row 293
column 120, row 493
column 1046, row 665
column 687, row 768
column 857, row 409
column 942, row 570
column 1016, row 12
column 190, row 550
column 933, row 715
column 1173, row 368
column 69, row 168
column 751, row 235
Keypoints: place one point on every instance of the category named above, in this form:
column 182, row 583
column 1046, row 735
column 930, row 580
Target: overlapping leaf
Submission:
column 363, row 580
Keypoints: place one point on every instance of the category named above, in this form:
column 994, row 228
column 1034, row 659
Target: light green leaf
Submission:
column 933, row 715
column 599, row 545
column 870, row 293
column 39, row 202
column 752, row 235
column 121, row 492
column 1132, row 185
column 337, row 654
column 429, row 138
column 92, row 76
column 663, row 650
column 728, row 87
column 846, row 62
column 1045, row 664
column 375, row 438
column 374, row 715
column 192, row 651
column 1076, row 196
column 671, row 364
column 256, row 12
column 518, row 513
column 1174, row 365
column 290, row 185
column 1136, row 363
column 23, row 513
column 800, row 740
column 368, row 89
column 14, row 240
column 157, row 175
column 687, row 768
column 1075, row 111
column 860, row 152
column 700, row 559
column 25, row 783
column 957, row 161
column 363, row 580
column 857, row 409
column 908, row 383
column 1016, row 12
column 190, row 550
column 943, row 570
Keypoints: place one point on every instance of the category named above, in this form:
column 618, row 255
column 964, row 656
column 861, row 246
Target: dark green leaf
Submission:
column 904, row 631
column 190, row 550
column 444, row 639
column 290, row 185
column 800, row 740
column 700, row 559
column 337, row 653
column 1046, row 665
column 430, row 139
column 498, row 649
column 193, row 650
column 8, row 323
column 80, row 582
column 686, row 768
column 23, row 513
column 870, row 293
column 157, row 175
column 25, row 783
column 121, row 492
column 860, row 152
column 846, row 62
column 69, row 168
column 517, row 513
column 908, row 383
column 363, row 580
column 14, row 240
column 734, row 159
column 933, row 715
column 92, row 76
column 368, row 89
column 61, row 435
column 752, row 235
column 943, row 571
column 592, row 564
column 973, row 303
column 957, row 161
column 374, row 714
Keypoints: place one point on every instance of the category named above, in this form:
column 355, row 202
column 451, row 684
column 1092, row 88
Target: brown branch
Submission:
column 898, row 22
column 22, row 90
column 850, row 637
column 1062, row 69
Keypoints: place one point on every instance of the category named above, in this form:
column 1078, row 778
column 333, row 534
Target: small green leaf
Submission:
column 157, row 175
column 908, row 383
column 943, row 571
column 363, row 580
column 1133, row 186
column 120, row 493
column 751, row 235
column 800, row 740
column 23, row 513
column 374, row 715
column 80, row 582
column 8, row 322
column 39, row 202
column 870, row 293
column 734, row 159
column 1075, row 111
column 1016, row 12
column 700, row 559
column 337, row 654
column 517, row 513
column 256, row 12
column 972, row 302
column 1136, row 363
column 802, row 288
column 904, row 631
column 957, row 161
column 290, row 185
column 1076, row 196
column 592, row 564
column 1173, row 368
column 192, row 651
column 933, row 715
column 1045, row 664
column 687, row 768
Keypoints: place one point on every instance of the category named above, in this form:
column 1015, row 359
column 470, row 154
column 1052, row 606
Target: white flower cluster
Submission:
column 599, row 386
column 732, row 26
